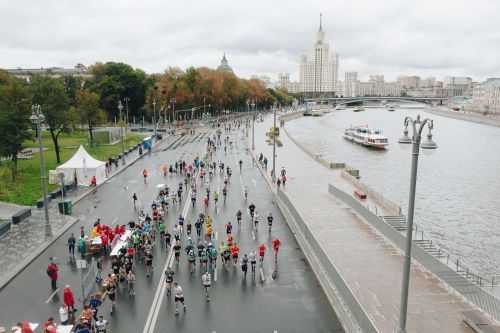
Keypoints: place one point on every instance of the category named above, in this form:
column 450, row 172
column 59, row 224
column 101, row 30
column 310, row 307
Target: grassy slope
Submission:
column 26, row 189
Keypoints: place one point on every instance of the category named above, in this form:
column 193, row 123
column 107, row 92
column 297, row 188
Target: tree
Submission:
column 50, row 94
column 15, row 110
column 88, row 108
column 115, row 81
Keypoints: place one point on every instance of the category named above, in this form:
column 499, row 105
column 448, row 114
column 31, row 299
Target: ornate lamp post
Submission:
column 120, row 108
column 37, row 118
column 253, row 126
column 417, row 125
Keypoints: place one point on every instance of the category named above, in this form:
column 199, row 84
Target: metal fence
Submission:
column 349, row 310
column 457, row 281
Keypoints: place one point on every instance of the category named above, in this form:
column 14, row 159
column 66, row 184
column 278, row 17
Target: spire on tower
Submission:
column 320, row 23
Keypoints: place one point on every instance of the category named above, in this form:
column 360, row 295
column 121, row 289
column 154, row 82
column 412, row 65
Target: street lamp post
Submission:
column 126, row 99
column 418, row 125
column 274, row 146
column 37, row 119
column 120, row 108
column 154, row 117
column 253, row 126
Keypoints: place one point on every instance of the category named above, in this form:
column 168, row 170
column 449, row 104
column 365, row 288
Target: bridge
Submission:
column 357, row 99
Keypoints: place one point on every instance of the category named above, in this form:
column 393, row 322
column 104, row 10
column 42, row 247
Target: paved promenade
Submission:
column 371, row 265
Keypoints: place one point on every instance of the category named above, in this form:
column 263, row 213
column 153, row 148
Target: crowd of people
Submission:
column 200, row 183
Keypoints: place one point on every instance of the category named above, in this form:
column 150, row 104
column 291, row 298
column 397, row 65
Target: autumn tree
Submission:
column 88, row 109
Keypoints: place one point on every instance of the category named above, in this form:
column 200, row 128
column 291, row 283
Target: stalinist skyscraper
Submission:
column 318, row 75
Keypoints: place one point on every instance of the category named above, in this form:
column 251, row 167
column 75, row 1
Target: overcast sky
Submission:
column 390, row 37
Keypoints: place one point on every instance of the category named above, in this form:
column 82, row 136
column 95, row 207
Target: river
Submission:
column 458, row 186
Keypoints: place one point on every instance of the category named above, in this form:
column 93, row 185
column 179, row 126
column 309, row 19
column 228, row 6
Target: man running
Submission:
column 145, row 175
column 244, row 265
column 270, row 221
column 71, row 244
column 238, row 216
column 251, row 209
column 229, row 228
column 276, row 246
column 252, row 257
column 206, row 280
column 134, row 198
column 179, row 298
column 169, row 279
column 262, row 252
column 241, row 164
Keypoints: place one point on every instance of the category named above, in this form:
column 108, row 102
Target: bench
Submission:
column 360, row 194
column 479, row 323
column 21, row 215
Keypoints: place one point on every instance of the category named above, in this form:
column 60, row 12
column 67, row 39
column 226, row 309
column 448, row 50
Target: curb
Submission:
column 28, row 260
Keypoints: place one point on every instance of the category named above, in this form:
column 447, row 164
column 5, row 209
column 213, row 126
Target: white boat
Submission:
column 366, row 137
column 359, row 109
column 340, row 107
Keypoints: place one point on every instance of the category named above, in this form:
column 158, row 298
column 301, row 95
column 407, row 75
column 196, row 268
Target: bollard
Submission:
column 447, row 259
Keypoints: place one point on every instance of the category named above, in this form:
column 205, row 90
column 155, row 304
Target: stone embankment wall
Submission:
column 390, row 207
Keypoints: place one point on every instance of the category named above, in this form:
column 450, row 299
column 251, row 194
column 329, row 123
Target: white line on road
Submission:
column 51, row 296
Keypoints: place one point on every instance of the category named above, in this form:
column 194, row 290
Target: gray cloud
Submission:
column 391, row 37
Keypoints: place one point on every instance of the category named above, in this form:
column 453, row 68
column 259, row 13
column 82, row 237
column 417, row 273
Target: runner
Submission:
column 197, row 225
column 229, row 228
column 206, row 280
column 245, row 192
column 238, row 216
column 145, row 175
column 149, row 262
column 276, row 246
column 101, row 325
column 168, row 238
column 134, row 198
column 179, row 298
column 241, row 164
column 244, row 265
column 169, row 279
column 251, row 209
column 131, row 283
column 193, row 198
column 177, row 251
column 189, row 228
column 270, row 221
column 253, row 260
column 192, row 260
column 262, row 252
column 235, row 250
column 212, row 256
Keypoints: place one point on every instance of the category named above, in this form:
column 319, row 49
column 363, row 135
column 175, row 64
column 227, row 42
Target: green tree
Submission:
column 50, row 93
column 115, row 81
column 90, row 112
column 15, row 110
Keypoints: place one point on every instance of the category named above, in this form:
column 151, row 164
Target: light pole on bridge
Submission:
column 417, row 125
column 253, row 126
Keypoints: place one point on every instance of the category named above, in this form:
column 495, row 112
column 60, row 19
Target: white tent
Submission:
column 82, row 166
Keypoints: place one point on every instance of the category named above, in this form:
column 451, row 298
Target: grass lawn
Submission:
column 26, row 188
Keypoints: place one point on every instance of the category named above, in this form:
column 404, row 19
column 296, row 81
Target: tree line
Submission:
column 72, row 101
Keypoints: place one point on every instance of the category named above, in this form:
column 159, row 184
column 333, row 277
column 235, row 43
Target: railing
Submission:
column 349, row 310
column 460, row 282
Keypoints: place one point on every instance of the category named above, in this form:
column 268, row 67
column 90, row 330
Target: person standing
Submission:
column 52, row 272
column 69, row 299
column 71, row 244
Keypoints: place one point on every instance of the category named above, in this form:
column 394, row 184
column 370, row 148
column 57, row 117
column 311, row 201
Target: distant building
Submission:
column 55, row 72
column 351, row 85
column 486, row 97
column 409, row 82
column 283, row 80
column 427, row 82
column 457, row 86
column 224, row 65
column 318, row 75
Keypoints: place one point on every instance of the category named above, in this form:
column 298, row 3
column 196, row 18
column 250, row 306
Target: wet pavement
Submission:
column 294, row 302
column 371, row 266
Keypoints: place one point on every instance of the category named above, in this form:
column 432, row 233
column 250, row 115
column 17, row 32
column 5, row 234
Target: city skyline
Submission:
column 389, row 38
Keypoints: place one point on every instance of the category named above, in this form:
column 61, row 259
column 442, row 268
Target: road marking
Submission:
column 253, row 235
column 51, row 296
column 154, row 310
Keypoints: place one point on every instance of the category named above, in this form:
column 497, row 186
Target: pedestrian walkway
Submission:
column 371, row 265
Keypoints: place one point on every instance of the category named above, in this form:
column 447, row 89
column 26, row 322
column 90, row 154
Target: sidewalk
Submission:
column 26, row 240
column 370, row 264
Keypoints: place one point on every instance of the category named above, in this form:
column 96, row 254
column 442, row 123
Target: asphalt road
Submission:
column 293, row 302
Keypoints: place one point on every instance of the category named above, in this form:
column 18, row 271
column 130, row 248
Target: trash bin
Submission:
column 65, row 207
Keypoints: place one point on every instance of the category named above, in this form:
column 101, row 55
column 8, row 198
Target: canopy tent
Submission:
column 81, row 168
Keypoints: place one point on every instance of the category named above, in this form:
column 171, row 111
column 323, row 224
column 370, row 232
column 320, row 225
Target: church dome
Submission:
column 224, row 65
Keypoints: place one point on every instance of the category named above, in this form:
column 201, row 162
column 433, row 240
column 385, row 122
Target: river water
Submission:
column 458, row 185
